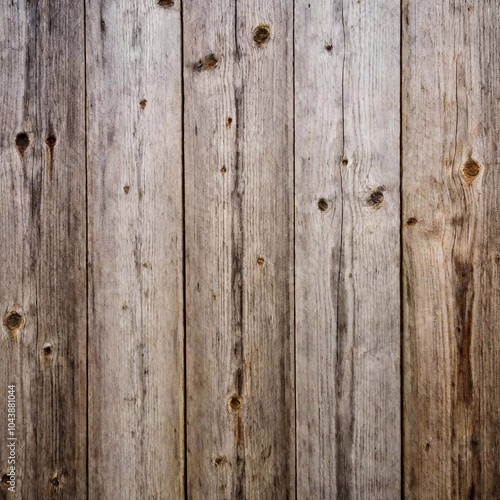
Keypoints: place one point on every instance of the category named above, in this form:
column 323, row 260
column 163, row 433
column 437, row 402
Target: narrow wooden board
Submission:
column 451, row 189
column 42, row 246
column 238, row 71
column 347, row 248
column 136, row 365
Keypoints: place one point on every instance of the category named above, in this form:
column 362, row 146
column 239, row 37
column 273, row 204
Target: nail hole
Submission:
column 223, row 170
column 22, row 142
column 261, row 34
column 411, row 221
column 322, row 204
column 51, row 141
column 471, row 170
column 126, row 189
column 13, row 321
column 229, row 121
column 143, row 103
column 329, row 47
column 207, row 63
column 260, row 261
column 235, row 403
column 345, row 162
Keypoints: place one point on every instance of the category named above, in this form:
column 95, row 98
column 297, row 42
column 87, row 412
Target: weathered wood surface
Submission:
column 42, row 246
column 347, row 249
column 238, row 72
column 451, row 191
column 136, row 372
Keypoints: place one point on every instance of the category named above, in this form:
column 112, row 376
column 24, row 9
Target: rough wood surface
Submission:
column 136, row 366
column 42, row 246
column 238, row 71
column 451, row 186
column 347, row 249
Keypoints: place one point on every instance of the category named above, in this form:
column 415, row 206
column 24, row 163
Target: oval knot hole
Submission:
column 207, row 63
column 261, row 34
column 51, row 141
column 235, row 403
column 22, row 142
column 376, row 198
column 47, row 349
column 471, row 170
column 220, row 460
column 13, row 321
column 55, row 482
column 166, row 3
column 322, row 204
column 143, row 103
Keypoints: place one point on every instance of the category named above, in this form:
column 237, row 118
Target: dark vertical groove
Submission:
column 292, row 211
column 86, row 248
column 401, row 250
column 184, row 277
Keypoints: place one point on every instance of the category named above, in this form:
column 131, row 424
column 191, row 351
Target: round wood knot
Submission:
column 207, row 63
column 261, row 34
column 220, row 460
column 55, row 482
column 6, row 480
column 22, row 142
column 412, row 221
column 322, row 205
column 47, row 349
column 51, row 141
column 13, row 321
column 235, row 403
column 166, row 3
column 376, row 198
column 143, row 103
column 471, row 170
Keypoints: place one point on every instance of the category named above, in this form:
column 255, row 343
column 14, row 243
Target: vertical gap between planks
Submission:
column 87, row 333
column 401, row 263
column 293, row 262
column 184, row 277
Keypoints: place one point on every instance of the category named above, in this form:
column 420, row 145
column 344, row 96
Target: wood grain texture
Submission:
column 451, row 186
column 347, row 249
column 42, row 246
column 136, row 366
column 238, row 73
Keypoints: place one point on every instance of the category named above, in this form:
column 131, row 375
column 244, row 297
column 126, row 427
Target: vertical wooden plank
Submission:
column 239, row 248
column 42, row 247
column 347, row 248
column 136, row 362
column 451, row 184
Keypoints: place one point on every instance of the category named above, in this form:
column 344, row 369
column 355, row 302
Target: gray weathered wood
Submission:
column 42, row 246
column 347, row 249
column 136, row 366
column 238, row 71
column 451, row 192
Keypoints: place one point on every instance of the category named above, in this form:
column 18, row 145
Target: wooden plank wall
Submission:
column 43, row 286
column 250, row 249
column 347, row 249
column 451, row 199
